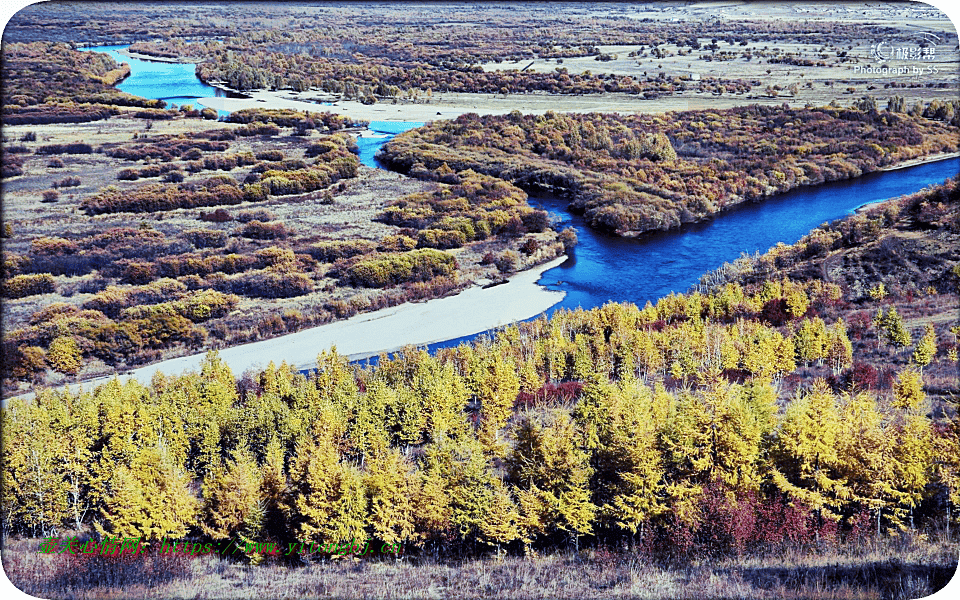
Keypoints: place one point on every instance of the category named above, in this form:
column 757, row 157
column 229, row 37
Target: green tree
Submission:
column 890, row 328
column 926, row 348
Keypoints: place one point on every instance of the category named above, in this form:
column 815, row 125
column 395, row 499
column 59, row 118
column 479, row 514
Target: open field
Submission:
column 905, row 569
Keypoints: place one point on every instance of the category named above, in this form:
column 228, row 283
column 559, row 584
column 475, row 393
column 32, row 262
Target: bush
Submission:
column 50, row 196
column 273, row 284
column 206, row 238
column 393, row 269
column 74, row 148
column 507, row 261
column 568, row 237
column 258, row 214
column 329, row 252
column 21, row 286
column 270, row 155
column 530, row 246
column 67, row 182
column 440, row 238
column 218, row 216
column 55, row 163
column 259, row 230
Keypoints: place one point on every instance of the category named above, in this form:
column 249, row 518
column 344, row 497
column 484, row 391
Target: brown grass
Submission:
column 905, row 567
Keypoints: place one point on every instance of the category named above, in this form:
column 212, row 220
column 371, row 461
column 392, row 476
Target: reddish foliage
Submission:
column 551, row 393
column 775, row 312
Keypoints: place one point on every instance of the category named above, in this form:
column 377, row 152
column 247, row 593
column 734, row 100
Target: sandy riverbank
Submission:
column 922, row 160
column 452, row 105
column 907, row 163
column 474, row 310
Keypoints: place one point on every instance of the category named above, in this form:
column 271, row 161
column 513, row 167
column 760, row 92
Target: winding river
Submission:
column 606, row 268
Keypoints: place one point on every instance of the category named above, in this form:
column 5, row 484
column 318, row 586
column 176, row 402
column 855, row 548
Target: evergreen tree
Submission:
column 926, row 348
column 232, row 501
column 148, row 499
column 390, row 492
column 551, row 475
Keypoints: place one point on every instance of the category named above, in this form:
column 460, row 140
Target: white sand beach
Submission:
column 473, row 310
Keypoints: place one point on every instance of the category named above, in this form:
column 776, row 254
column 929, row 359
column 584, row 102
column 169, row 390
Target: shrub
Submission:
column 206, row 238
column 206, row 304
column 329, row 252
column 270, row 155
column 507, row 261
column 259, row 230
column 137, row 272
column 21, row 286
column 273, row 284
column 440, row 238
column 258, row 214
column 64, row 355
column 53, row 246
column 12, row 165
column 218, row 216
column 55, row 163
column 568, row 237
column 67, row 182
column 397, row 243
column 50, row 196
column 74, row 148
column 392, row 269
column 530, row 246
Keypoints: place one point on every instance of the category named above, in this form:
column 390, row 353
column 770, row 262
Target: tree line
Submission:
column 661, row 427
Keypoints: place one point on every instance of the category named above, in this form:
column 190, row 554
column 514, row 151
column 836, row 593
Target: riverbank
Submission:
column 451, row 105
column 906, row 164
column 474, row 310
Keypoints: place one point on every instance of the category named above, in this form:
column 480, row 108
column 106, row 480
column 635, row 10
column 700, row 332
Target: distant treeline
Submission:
column 673, row 168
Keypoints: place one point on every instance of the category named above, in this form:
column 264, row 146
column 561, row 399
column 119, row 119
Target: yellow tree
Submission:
column 150, row 498
column 839, row 349
column 390, row 488
column 805, row 457
column 810, row 340
column 33, row 476
column 926, row 348
column 551, row 474
column 329, row 500
column 864, row 454
column 494, row 383
column 232, row 502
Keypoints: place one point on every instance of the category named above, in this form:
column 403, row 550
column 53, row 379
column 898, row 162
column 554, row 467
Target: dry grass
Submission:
column 910, row 567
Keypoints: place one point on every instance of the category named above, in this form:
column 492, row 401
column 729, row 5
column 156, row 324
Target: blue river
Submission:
column 175, row 83
column 605, row 268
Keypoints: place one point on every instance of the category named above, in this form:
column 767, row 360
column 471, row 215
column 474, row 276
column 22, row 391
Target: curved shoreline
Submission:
column 474, row 310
